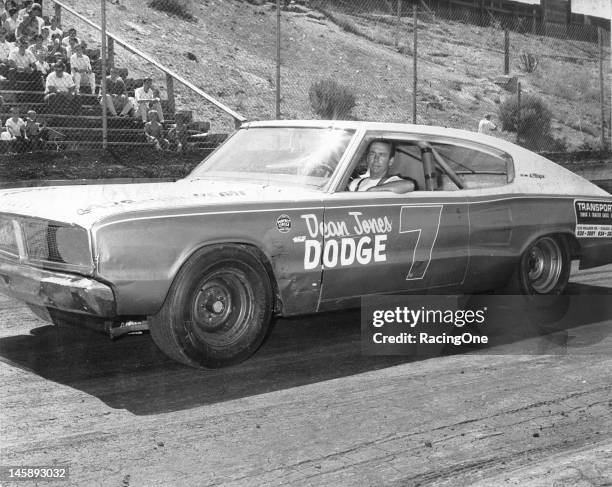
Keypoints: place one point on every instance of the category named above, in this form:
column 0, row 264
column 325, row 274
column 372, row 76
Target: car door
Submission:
column 375, row 242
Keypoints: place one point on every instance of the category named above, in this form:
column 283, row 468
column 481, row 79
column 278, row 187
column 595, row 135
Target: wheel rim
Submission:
column 221, row 308
column 544, row 265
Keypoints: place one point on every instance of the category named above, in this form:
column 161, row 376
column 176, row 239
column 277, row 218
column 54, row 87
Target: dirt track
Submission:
column 308, row 409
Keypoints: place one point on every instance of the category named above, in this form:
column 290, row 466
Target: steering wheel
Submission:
column 321, row 166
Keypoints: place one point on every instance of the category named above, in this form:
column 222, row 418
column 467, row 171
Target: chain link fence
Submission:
column 545, row 86
column 468, row 64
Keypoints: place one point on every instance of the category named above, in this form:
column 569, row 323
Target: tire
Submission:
column 543, row 269
column 218, row 309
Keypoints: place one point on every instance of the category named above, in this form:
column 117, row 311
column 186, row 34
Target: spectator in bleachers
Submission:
column 8, row 5
column 72, row 34
column 35, row 132
column 40, row 53
column 22, row 72
column 10, row 25
column 54, row 47
column 60, row 91
column 80, row 66
column 71, row 48
column 55, row 29
column 32, row 23
column 6, row 48
column 177, row 134
column 116, row 95
column 23, row 10
column 154, row 131
column 15, row 126
column 145, row 99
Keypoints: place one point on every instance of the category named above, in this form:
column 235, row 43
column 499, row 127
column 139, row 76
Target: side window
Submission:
column 477, row 167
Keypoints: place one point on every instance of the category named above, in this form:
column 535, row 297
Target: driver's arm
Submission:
column 399, row 187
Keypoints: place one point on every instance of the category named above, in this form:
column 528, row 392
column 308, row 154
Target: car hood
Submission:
column 85, row 205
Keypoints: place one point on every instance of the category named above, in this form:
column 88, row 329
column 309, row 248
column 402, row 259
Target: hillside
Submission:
column 234, row 44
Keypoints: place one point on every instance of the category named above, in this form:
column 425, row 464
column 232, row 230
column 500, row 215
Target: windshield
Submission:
column 291, row 155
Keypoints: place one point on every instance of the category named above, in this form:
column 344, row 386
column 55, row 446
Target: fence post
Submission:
column 111, row 52
column 506, row 51
column 278, row 60
column 398, row 24
column 602, row 97
column 170, row 93
column 414, row 66
column 103, row 78
column 518, row 111
column 58, row 15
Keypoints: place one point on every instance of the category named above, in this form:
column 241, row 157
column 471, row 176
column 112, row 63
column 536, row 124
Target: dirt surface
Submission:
column 125, row 163
column 230, row 52
column 309, row 409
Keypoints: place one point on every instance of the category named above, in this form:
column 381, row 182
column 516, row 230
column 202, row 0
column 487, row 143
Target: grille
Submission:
column 41, row 239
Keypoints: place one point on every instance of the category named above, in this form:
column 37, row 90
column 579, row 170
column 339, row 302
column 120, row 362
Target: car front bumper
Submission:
column 57, row 290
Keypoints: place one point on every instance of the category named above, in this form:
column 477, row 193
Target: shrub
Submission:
column 527, row 62
column 181, row 8
column 534, row 121
column 330, row 100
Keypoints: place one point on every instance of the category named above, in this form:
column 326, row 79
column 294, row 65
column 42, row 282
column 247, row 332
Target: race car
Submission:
column 272, row 224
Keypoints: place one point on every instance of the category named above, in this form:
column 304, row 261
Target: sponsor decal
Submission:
column 593, row 219
column 345, row 242
column 283, row 223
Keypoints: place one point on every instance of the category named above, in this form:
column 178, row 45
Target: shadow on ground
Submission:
column 131, row 373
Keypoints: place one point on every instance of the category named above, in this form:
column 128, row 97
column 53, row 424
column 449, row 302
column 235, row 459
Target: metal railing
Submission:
column 170, row 74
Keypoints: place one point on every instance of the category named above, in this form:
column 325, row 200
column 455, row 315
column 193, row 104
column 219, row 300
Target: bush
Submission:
column 181, row 8
column 534, row 122
column 527, row 62
column 330, row 100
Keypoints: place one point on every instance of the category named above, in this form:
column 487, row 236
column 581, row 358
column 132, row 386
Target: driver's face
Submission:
column 379, row 157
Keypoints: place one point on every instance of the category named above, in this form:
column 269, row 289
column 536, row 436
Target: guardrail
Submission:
column 170, row 75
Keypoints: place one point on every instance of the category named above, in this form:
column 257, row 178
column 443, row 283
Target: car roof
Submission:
column 390, row 127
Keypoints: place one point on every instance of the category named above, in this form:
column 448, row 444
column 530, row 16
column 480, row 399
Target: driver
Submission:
column 377, row 177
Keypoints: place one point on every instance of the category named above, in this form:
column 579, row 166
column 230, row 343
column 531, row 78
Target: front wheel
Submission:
column 218, row 310
column 543, row 268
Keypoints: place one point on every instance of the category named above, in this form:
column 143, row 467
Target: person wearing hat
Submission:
column 485, row 126
column 145, row 100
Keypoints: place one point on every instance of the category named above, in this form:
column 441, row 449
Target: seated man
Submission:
column 60, row 91
column 116, row 97
column 31, row 24
column 154, row 132
column 36, row 133
column 15, row 126
column 6, row 48
column 80, row 66
column 145, row 99
column 22, row 72
column 377, row 177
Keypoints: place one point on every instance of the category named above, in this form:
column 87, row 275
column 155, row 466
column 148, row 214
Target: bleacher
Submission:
column 84, row 129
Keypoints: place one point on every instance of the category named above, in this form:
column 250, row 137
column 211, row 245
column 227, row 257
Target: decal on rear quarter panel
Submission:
column 593, row 218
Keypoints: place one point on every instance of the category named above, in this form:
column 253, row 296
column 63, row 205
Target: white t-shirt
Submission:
column 14, row 128
column 6, row 48
column 485, row 126
column 22, row 61
column 81, row 63
column 62, row 84
column 365, row 182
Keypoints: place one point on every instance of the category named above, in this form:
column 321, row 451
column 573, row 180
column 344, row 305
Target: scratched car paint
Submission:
column 266, row 226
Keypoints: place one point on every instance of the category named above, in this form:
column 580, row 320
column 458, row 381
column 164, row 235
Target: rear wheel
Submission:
column 543, row 268
column 218, row 308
